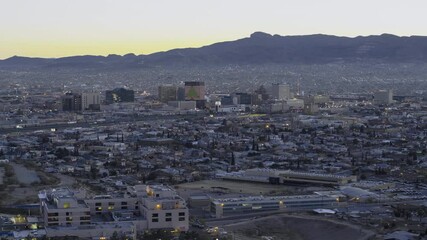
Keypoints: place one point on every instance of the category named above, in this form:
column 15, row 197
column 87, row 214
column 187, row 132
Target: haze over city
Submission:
column 213, row 120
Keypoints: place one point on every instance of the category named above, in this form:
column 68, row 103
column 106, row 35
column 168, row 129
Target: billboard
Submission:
column 194, row 91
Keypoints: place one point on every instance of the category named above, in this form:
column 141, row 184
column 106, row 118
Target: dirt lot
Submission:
column 28, row 193
column 286, row 227
column 25, row 175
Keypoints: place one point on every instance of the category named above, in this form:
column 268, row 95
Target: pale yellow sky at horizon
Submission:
column 57, row 28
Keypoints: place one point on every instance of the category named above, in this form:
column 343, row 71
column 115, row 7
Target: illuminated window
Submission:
column 110, row 207
column 33, row 226
column 158, row 206
column 67, row 205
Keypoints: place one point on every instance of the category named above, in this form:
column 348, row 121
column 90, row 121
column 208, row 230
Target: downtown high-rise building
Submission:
column 196, row 91
column 119, row 95
column 71, row 102
column 168, row 92
column 280, row 91
column 91, row 101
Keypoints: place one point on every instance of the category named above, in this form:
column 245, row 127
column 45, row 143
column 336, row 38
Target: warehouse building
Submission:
column 244, row 205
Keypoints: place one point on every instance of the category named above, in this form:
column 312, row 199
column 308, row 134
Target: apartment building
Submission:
column 163, row 208
column 140, row 208
column 59, row 207
column 106, row 203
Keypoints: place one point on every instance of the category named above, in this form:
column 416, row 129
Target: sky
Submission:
column 57, row 28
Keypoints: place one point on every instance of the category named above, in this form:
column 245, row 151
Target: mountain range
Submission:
column 259, row 48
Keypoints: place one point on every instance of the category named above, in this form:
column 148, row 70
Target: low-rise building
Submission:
column 142, row 208
column 287, row 176
column 245, row 205
column 59, row 207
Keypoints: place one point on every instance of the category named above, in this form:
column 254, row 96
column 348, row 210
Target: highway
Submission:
column 83, row 124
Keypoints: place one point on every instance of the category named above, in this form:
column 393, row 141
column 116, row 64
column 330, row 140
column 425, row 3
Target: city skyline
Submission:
column 65, row 28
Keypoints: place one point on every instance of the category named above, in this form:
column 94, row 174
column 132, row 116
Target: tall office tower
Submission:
column 91, row 101
column 71, row 102
column 280, row 91
column 180, row 95
column 226, row 100
column 168, row 93
column 195, row 91
column 383, row 97
column 244, row 98
column 119, row 95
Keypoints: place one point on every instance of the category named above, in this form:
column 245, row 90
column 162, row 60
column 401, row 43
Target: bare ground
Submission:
column 285, row 227
column 28, row 194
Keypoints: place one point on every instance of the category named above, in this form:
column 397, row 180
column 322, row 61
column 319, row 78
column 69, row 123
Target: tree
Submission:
column 93, row 171
column 233, row 161
column 253, row 143
column 421, row 213
column 115, row 236
column 155, row 235
column 61, row 153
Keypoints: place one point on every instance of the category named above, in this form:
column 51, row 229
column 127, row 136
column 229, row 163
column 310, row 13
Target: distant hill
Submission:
column 259, row 48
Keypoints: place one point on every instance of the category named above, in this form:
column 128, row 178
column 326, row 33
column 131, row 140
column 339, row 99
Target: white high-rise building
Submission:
column 280, row 91
column 383, row 97
column 90, row 101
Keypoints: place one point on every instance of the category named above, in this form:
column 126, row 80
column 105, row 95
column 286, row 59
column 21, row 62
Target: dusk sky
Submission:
column 56, row 28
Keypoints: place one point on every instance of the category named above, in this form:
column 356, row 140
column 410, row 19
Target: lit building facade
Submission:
column 195, row 91
column 119, row 95
column 164, row 209
column 141, row 208
column 59, row 207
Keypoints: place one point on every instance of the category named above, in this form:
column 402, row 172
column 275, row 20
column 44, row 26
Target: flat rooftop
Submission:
column 275, row 198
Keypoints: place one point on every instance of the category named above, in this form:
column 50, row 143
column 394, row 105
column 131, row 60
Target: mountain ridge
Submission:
column 258, row 48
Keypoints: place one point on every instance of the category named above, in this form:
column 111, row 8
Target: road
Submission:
column 143, row 118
